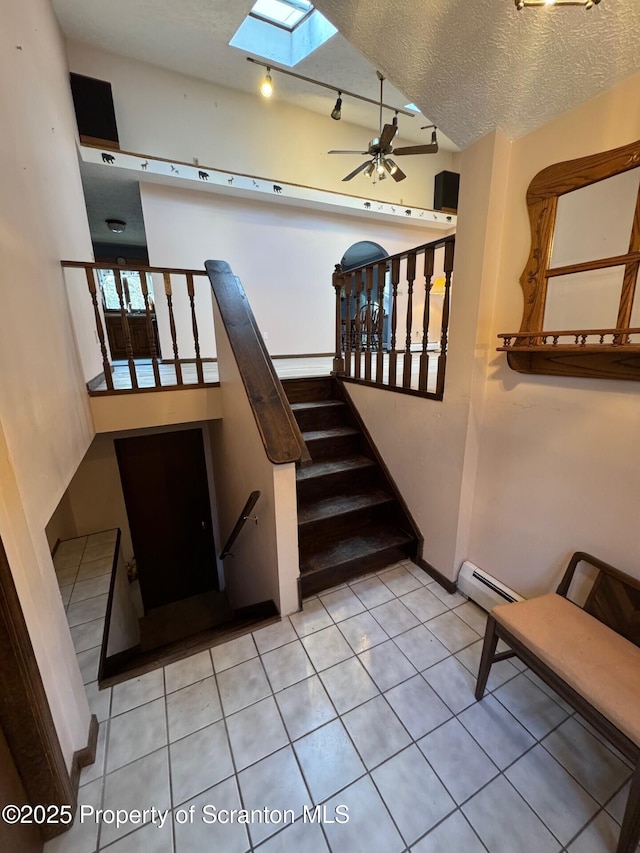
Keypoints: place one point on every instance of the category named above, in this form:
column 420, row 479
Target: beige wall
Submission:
column 165, row 114
column 265, row 562
column 62, row 524
column 44, row 412
column 558, row 461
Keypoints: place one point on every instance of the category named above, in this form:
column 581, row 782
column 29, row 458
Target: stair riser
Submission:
column 335, row 448
column 308, row 390
column 343, row 482
column 324, row 532
column 321, row 418
column 317, row 581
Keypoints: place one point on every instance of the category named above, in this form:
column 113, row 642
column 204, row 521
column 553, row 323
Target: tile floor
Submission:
column 363, row 700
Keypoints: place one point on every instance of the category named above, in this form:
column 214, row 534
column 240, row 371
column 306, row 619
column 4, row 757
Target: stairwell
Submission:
column 350, row 518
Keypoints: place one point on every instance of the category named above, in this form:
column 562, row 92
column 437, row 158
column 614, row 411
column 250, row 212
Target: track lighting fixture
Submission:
column 336, row 112
column 116, row 225
column 266, row 87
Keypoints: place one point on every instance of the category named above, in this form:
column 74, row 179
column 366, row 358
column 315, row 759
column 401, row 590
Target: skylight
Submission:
column 413, row 107
column 283, row 13
column 283, row 31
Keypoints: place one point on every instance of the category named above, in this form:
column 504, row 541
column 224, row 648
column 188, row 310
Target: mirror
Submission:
column 581, row 315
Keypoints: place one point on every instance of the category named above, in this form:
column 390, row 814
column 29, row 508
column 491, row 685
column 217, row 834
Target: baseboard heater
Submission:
column 485, row 590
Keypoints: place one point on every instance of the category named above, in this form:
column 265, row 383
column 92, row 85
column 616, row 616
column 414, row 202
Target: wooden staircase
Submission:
column 350, row 518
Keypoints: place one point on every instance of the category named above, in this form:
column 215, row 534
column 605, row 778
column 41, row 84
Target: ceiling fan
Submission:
column 380, row 147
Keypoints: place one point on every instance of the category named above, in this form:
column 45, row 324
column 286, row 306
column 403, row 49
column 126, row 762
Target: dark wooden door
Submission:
column 164, row 480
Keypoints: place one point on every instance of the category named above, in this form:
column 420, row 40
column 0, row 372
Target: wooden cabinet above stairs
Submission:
column 350, row 518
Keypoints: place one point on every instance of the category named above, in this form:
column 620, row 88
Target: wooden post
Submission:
column 429, row 256
column 194, row 326
column 172, row 326
column 338, row 284
column 125, row 329
column 367, row 354
column 357, row 368
column 382, row 274
column 411, row 275
column 442, row 361
column 150, row 330
column 348, row 285
column 106, row 365
column 393, row 355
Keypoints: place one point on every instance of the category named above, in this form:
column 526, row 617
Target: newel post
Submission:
column 338, row 283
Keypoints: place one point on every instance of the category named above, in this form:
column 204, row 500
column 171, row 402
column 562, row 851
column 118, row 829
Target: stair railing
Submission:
column 281, row 436
column 392, row 320
column 244, row 516
column 174, row 371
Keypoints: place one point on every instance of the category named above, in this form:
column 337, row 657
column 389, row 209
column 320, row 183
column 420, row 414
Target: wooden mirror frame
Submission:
column 574, row 352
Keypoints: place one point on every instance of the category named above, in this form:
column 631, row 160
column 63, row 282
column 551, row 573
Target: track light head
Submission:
column 116, row 225
column 336, row 112
column 266, row 87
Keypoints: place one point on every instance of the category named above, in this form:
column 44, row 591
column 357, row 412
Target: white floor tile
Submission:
column 498, row 733
column 376, row 731
column 313, row 617
column 453, row 835
column 150, row 839
column 137, row 691
column 305, row 706
column 274, row 635
column 421, row 647
column 372, row 592
column 452, row 631
column 301, row 837
column 192, row 708
column 424, row 604
column 242, row 685
column 328, row 760
column 235, row 651
column 342, row 604
column 399, row 580
column 199, row 761
column 394, row 617
column 327, row 647
column 83, row 836
column 600, row 836
column 287, row 665
column 187, row 671
column 386, row 665
column 420, row 709
column 369, row 828
column 528, row 704
column 348, row 684
column 362, row 632
column 453, row 683
column 255, row 732
column 136, row 733
column 200, row 836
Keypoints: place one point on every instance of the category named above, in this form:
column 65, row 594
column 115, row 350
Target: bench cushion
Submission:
column 598, row 663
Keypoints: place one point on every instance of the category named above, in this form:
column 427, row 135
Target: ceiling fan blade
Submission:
column 387, row 135
column 347, row 152
column 360, row 168
column 398, row 175
column 432, row 148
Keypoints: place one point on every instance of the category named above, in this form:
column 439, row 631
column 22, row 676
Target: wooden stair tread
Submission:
column 342, row 505
column 329, row 432
column 333, row 466
column 359, row 546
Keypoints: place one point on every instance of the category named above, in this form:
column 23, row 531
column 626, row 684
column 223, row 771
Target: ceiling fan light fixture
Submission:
column 390, row 166
column 336, row 112
column 588, row 4
column 266, row 87
column 116, row 225
column 368, row 172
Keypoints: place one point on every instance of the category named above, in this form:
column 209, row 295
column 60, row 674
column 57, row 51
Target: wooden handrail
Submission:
column 105, row 265
column 244, row 516
column 282, row 441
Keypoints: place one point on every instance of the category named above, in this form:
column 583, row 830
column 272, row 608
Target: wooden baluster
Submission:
column 106, row 365
column 348, row 286
column 358, row 327
column 382, row 273
column 367, row 355
column 429, row 256
column 411, row 275
column 442, row 361
column 172, row 326
column 338, row 284
column 125, row 328
column 194, row 326
column 393, row 355
column 151, row 333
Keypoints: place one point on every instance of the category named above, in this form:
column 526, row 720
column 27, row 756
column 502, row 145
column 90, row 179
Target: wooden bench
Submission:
column 589, row 655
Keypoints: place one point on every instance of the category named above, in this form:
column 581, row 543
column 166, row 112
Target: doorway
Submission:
column 166, row 493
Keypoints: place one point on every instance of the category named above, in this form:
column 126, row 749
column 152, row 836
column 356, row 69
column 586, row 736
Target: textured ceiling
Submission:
column 471, row 65
column 477, row 65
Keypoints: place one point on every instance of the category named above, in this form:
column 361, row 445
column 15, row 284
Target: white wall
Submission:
column 165, row 114
column 44, row 411
column 284, row 257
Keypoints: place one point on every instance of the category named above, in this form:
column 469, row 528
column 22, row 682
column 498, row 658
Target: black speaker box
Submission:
column 446, row 188
column 95, row 114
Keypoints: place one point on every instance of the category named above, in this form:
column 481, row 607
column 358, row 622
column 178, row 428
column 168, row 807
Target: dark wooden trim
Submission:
column 240, row 523
column 87, row 755
column 187, row 360
column 55, row 547
column 427, row 395
column 188, row 387
column 445, row 583
column 379, row 459
column 107, row 616
column 97, row 142
column 282, row 441
column 25, row 715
